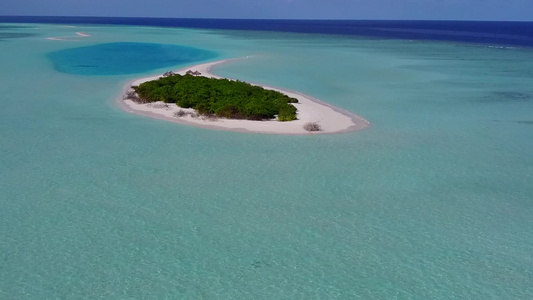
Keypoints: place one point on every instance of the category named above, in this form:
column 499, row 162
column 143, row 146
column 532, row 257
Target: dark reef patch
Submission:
column 524, row 122
column 8, row 32
column 508, row 97
column 15, row 35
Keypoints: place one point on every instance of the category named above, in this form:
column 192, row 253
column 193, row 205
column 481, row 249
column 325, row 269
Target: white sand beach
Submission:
column 330, row 118
column 69, row 38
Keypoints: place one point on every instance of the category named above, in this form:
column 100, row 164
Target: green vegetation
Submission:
column 220, row 97
column 312, row 126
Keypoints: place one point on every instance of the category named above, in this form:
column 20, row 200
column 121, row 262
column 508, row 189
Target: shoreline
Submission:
column 332, row 119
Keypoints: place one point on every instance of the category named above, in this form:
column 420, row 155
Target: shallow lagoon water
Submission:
column 432, row 202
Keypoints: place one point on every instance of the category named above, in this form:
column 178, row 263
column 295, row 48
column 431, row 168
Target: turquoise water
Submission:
column 124, row 58
column 434, row 201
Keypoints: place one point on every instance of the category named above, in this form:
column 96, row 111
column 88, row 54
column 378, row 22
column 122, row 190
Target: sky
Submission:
column 491, row 10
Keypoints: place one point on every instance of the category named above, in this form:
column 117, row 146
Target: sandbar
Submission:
column 69, row 38
column 309, row 109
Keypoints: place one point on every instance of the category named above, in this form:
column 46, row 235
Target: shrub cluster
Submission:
column 132, row 95
column 219, row 97
column 160, row 105
column 180, row 113
column 206, row 117
column 312, row 126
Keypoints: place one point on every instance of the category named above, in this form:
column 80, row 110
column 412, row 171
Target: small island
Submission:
column 196, row 96
column 216, row 97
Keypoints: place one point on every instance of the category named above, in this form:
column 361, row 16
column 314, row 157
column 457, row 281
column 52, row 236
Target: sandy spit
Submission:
column 330, row 118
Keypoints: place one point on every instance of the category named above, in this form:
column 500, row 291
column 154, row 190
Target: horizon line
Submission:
column 264, row 19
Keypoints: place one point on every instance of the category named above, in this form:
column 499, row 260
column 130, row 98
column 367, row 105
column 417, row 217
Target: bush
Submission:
column 209, row 117
column 221, row 97
column 133, row 96
column 287, row 113
column 229, row 111
column 180, row 113
column 160, row 105
column 312, row 126
column 130, row 95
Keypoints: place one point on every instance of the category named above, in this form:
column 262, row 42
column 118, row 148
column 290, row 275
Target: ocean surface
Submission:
column 434, row 201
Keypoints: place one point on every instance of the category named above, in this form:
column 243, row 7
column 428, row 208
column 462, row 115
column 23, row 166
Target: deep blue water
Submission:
column 117, row 58
column 497, row 33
